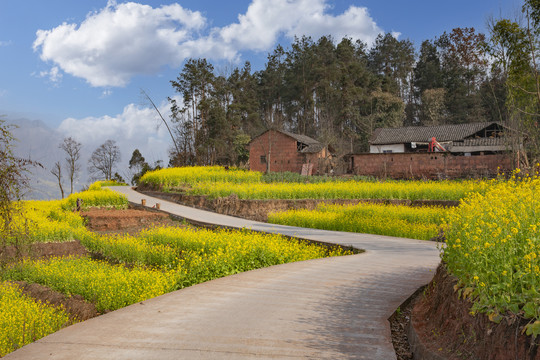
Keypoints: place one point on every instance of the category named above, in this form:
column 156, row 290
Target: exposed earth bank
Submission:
column 446, row 328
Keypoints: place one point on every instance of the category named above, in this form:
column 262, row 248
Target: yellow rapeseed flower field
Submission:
column 410, row 190
column 215, row 181
column 108, row 286
column 171, row 178
column 493, row 247
column 421, row 223
column 23, row 320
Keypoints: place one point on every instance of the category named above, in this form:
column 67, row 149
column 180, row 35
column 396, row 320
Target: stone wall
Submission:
column 428, row 165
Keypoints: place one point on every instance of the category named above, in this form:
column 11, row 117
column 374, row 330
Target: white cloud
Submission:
column 5, row 43
column 54, row 75
column 260, row 28
column 135, row 128
column 120, row 41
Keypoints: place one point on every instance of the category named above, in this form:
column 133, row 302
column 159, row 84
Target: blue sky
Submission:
column 79, row 65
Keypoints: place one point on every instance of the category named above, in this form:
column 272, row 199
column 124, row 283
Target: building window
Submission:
column 387, row 151
column 263, row 159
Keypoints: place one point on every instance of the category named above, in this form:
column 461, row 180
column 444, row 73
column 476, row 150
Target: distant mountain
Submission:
column 38, row 142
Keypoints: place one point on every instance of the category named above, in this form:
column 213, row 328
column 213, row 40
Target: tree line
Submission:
column 339, row 92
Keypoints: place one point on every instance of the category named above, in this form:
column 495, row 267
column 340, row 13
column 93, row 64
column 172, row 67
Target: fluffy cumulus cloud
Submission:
column 123, row 40
column 266, row 20
column 135, row 128
column 112, row 45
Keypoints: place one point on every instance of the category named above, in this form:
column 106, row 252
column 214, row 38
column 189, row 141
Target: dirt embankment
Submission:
column 75, row 305
column 442, row 325
column 43, row 250
column 124, row 221
column 258, row 210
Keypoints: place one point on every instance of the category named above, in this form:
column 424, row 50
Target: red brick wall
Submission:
column 284, row 155
column 429, row 165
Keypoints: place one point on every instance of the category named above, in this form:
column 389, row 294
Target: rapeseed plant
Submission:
column 493, row 247
column 23, row 320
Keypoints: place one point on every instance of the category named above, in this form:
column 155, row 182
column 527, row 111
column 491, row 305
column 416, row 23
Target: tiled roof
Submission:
column 442, row 133
column 501, row 141
column 302, row 138
column 313, row 146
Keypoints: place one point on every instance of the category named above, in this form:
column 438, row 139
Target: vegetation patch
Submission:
column 493, row 248
column 24, row 320
column 421, row 223
column 178, row 177
column 218, row 182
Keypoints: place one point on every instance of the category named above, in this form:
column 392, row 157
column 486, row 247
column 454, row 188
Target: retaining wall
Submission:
column 429, row 165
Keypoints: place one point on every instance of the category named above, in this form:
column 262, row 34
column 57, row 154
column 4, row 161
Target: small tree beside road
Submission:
column 104, row 160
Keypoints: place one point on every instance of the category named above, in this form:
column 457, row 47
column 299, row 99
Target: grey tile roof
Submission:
column 483, row 142
column 302, row 138
column 455, row 132
column 313, row 146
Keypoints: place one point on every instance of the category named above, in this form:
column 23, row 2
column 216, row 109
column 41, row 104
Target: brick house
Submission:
column 472, row 150
column 279, row 151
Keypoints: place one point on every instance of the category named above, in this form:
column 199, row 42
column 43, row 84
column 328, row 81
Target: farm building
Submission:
column 471, row 138
column 463, row 150
column 280, row 151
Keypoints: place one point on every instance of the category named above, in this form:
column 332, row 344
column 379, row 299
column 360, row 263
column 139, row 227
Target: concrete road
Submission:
column 334, row 308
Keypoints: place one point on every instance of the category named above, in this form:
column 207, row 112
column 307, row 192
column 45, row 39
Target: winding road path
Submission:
column 333, row 308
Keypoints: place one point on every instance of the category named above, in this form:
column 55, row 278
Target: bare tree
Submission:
column 72, row 148
column 103, row 160
column 57, row 172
